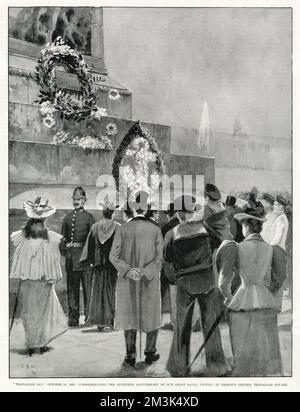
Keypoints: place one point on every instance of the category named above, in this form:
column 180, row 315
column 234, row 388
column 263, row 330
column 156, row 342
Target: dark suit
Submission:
column 75, row 229
column 187, row 247
column 165, row 280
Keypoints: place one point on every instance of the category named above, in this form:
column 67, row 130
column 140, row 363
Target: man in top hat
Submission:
column 75, row 229
column 232, row 210
column 187, row 248
column 137, row 255
column 267, row 201
column 172, row 217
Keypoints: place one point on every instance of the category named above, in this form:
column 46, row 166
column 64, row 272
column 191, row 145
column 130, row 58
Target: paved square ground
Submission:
column 84, row 352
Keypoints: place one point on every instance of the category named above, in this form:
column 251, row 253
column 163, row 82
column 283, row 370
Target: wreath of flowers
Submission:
column 60, row 54
column 136, row 131
column 86, row 142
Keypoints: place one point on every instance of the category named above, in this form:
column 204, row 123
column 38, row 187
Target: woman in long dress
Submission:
column 36, row 263
column 253, row 309
column 96, row 252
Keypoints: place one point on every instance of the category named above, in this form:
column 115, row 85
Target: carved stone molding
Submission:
column 31, row 75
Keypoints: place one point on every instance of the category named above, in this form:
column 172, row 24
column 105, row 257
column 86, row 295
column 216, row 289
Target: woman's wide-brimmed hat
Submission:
column 38, row 208
column 281, row 200
column 246, row 216
column 269, row 198
column 108, row 204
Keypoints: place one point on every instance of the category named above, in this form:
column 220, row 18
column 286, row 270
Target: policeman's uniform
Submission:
column 75, row 229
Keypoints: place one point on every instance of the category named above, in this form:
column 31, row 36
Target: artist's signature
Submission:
column 30, row 368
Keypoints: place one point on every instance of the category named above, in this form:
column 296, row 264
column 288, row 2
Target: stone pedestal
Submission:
column 24, row 50
column 52, row 171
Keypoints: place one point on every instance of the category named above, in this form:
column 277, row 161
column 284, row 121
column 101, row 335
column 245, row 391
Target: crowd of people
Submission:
column 230, row 260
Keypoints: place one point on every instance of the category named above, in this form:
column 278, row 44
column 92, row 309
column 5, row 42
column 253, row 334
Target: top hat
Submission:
column 212, row 192
column 230, row 201
column 141, row 200
column 170, row 210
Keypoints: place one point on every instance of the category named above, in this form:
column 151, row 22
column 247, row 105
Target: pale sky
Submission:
column 173, row 60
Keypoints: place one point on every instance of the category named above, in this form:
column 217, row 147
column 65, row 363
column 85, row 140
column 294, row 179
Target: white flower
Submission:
column 107, row 142
column 89, row 142
column 114, row 94
column 100, row 112
column 111, row 129
column 129, row 152
column 49, row 121
column 46, row 109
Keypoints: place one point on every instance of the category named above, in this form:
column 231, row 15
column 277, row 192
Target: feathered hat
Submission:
column 39, row 208
column 107, row 204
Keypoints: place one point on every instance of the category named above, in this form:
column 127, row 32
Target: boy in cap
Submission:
column 75, row 229
column 187, row 248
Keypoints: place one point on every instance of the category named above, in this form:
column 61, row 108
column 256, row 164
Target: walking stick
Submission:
column 15, row 307
column 139, row 306
column 140, row 312
column 208, row 336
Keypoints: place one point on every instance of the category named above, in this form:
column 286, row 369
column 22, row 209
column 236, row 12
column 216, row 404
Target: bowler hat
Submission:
column 212, row 192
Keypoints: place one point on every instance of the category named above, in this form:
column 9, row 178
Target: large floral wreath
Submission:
column 53, row 99
column 51, row 96
column 143, row 144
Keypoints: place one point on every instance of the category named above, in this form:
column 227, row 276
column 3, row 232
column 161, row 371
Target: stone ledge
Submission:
column 32, row 51
column 45, row 163
column 25, row 124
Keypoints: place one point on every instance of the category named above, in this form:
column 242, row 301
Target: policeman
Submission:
column 75, row 229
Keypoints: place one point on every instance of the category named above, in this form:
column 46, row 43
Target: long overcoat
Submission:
column 138, row 244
